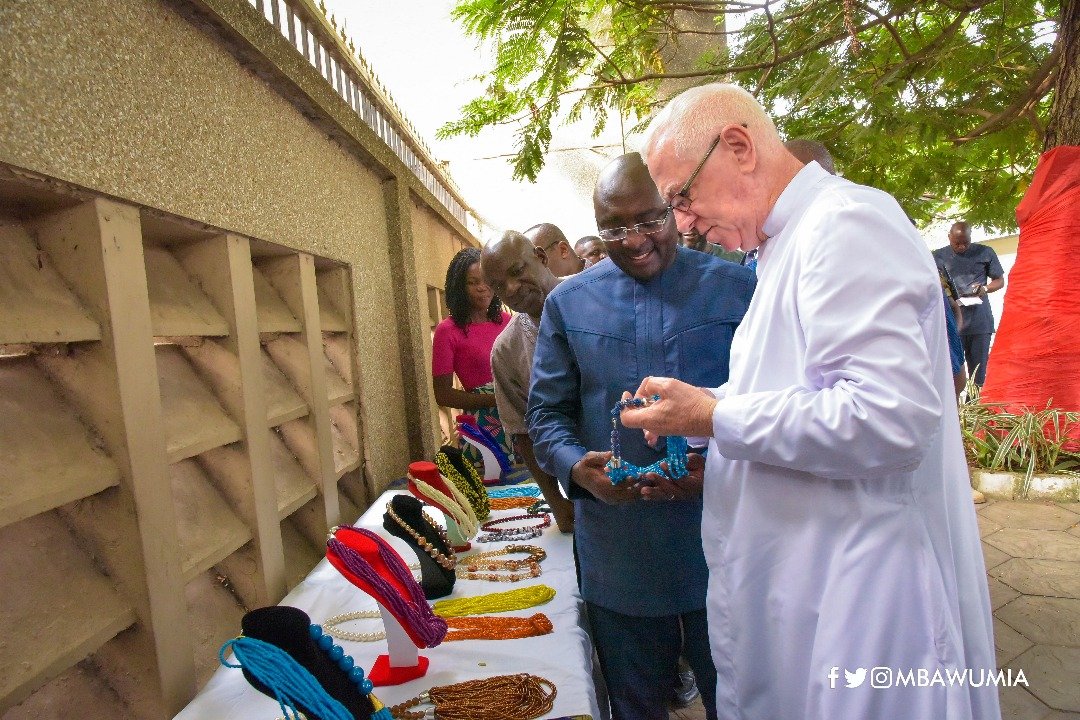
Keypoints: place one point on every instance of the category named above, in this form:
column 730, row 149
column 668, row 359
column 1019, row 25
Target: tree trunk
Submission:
column 1064, row 126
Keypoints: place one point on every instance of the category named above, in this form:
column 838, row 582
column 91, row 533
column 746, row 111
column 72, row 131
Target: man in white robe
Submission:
column 837, row 523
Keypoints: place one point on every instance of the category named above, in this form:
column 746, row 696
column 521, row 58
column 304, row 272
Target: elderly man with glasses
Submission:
column 656, row 309
column 837, row 517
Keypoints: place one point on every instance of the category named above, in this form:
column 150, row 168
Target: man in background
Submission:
column 975, row 272
column 807, row 150
column 518, row 274
column 590, row 249
column 691, row 240
column 562, row 261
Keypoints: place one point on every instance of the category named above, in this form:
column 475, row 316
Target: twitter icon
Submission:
column 855, row 679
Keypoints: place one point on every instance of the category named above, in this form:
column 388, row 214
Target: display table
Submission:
column 564, row 657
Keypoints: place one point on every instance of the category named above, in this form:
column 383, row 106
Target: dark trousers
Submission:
column 977, row 352
column 638, row 658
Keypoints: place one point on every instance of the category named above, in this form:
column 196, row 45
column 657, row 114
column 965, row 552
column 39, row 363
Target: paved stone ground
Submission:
column 1032, row 552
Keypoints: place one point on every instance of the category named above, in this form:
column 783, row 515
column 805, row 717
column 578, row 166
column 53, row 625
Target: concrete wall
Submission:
column 196, row 116
column 131, row 100
column 436, row 246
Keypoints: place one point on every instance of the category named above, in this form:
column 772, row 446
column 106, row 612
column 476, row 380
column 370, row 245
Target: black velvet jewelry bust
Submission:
column 436, row 580
column 288, row 629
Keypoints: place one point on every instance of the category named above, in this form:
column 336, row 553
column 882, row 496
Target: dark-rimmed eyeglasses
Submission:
column 645, row 228
column 680, row 201
column 550, row 245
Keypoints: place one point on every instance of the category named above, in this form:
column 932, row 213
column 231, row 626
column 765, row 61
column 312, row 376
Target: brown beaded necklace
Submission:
column 503, row 697
column 472, row 567
column 448, row 563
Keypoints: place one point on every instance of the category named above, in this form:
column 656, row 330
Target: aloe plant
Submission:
column 1028, row 442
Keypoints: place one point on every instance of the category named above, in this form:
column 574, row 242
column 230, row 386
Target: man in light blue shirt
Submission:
column 656, row 309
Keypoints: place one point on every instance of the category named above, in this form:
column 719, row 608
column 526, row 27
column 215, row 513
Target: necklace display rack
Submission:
column 459, row 472
column 619, row 469
column 427, row 485
column 496, row 463
column 284, row 656
column 369, row 562
column 405, row 519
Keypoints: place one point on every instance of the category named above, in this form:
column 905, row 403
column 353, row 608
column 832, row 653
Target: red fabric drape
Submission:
column 1036, row 355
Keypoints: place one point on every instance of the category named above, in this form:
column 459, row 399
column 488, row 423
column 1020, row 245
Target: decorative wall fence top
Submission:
column 352, row 78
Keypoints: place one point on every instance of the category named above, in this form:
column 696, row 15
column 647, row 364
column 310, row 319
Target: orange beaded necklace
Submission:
column 489, row 627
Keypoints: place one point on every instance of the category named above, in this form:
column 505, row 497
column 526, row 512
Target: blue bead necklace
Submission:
column 619, row 469
column 292, row 684
column 514, row 491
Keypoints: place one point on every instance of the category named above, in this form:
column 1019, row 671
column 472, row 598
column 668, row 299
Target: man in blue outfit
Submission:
column 657, row 309
column 975, row 271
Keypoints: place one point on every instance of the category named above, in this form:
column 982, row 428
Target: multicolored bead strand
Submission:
column 496, row 534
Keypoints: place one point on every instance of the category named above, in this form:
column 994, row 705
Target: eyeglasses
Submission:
column 679, row 201
column 646, row 228
column 550, row 245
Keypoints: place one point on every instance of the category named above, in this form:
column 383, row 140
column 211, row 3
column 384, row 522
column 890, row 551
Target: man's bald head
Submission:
column 687, row 124
column 560, row 255
column 624, row 177
column 517, row 272
column 626, row 197
column 807, row 151
column 960, row 237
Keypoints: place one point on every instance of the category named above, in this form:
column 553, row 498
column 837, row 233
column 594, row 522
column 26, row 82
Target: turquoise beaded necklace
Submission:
column 619, row 469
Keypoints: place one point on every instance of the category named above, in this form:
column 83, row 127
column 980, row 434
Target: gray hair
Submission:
column 693, row 118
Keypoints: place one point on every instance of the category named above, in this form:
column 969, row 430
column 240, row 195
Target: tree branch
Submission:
column 724, row 70
column 890, row 28
column 1037, row 88
column 771, row 24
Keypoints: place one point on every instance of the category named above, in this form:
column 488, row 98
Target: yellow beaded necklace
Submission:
column 472, row 487
column 519, row 599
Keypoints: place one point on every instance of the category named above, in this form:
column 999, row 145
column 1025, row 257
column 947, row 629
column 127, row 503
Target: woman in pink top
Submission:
column 463, row 341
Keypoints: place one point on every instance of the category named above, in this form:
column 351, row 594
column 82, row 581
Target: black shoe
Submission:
column 685, row 691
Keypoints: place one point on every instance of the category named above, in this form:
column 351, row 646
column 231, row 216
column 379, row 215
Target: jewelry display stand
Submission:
column 406, row 519
column 288, row 629
column 428, row 472
column 402, row 661
column 493, row 468
column 370, row 563
column 462, row 474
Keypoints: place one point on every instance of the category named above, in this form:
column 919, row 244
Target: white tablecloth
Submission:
column 563, row 657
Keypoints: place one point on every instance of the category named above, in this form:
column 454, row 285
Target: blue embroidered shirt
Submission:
column 601, row 333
